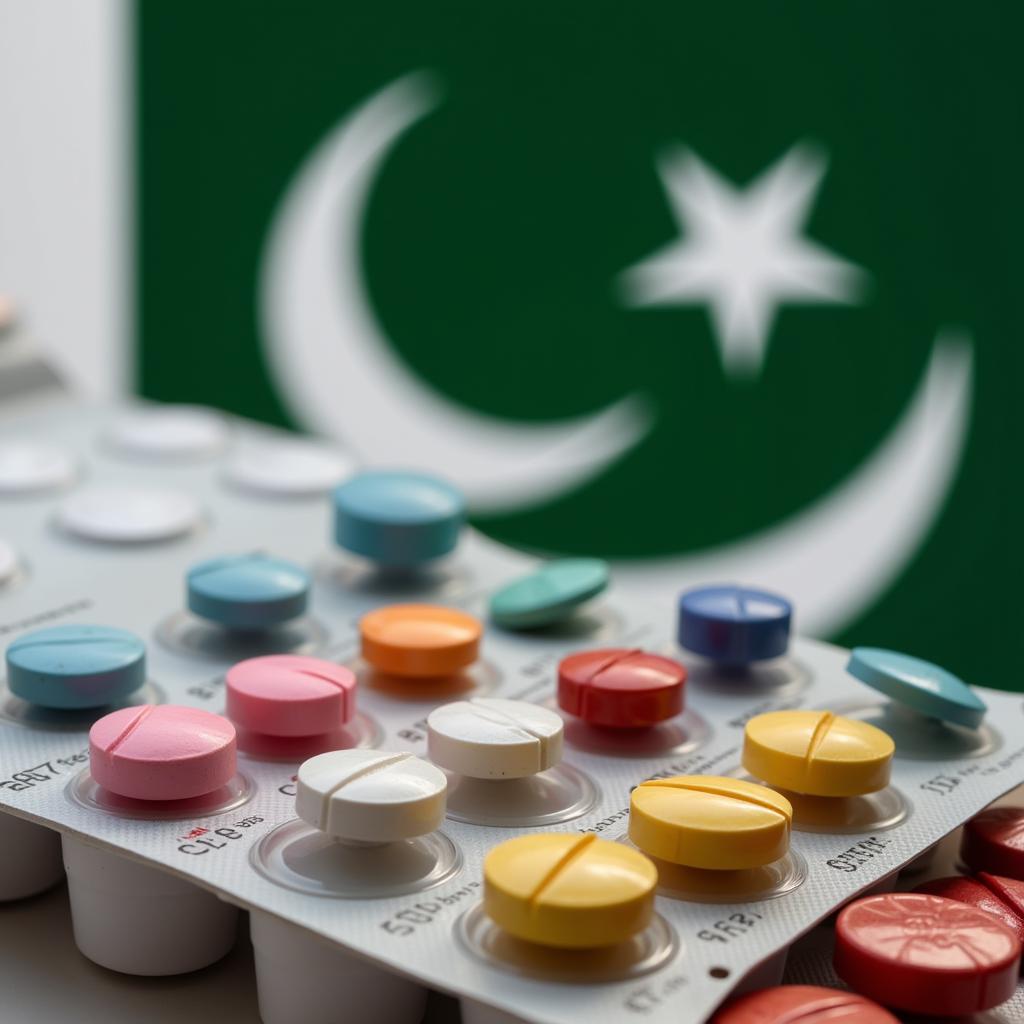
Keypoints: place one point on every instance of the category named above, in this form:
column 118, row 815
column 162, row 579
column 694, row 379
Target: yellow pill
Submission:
column 706, row 821
column 570, row 891
column 817, row 753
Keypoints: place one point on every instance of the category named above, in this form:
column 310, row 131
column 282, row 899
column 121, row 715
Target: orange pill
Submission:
column 419, row 640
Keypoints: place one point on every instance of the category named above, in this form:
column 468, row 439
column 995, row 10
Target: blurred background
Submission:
column 717, row 291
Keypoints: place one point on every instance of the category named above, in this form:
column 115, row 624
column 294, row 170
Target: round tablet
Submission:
column 620, row 688
column 125, row 514
column 918, row 684
column 993, row 841
column 734, row 625
column 288, row 469
column 926, row 954
column 162, row 752
column 248, row 591
column 705, row 821
column 490, row 738
column 802, row 1004
column 27, row 467
column 290, row 695
column 370, row 796
column 1003, row 897
column 817, row 753
column 549, row 594
column 569, row 891
column 419, row 640
column 76, row 666
column 168, row 432
column 398, row 519
column 8, row 562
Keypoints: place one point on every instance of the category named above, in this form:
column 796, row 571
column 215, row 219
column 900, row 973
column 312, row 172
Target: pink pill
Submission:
column 162, row 752
column 290, row 695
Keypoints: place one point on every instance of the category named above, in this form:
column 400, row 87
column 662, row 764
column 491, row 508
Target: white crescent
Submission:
column 340, row 378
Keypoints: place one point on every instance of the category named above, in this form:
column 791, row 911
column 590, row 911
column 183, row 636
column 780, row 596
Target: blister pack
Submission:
column 662, row 872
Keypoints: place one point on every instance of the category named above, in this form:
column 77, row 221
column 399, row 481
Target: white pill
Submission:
column 371, row 796
column 28, row 466
column 123, row 514
column 288, row 469
column 170, row 432
column 489, row 738
column 8, row 562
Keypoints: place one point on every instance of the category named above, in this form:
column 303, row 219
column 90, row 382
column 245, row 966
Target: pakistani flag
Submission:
column 717, row 291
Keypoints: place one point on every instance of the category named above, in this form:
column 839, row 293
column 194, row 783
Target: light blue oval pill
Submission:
column 918, row 684
column 248, row 591
column 68, row 667
column 550, row 594
column 398, row 519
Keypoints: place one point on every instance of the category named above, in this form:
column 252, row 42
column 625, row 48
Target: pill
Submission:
column 398, row 519
column 993, row 841
column 419, row 640
column 620, row 687
column 918, row 685
column 734, row 625
column 288, row 469
column 168, row 432
column 8, row 562
column 926, row 954
column 569, row 891
column 249, row 591
column 817, row 753
column 162, row 752
column 123, row 514
column 66, row 667
column 802, row 1004
column 549, row 594
column 490, row 738
column 371, row 796
column 290, row 695
column 711, row 822
column 1003, row 897
column 28, row 467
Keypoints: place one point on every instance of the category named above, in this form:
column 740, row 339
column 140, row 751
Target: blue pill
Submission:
column 248, row 591
column 69, row 667
column 734, row 625
column 918, row 685
column 399, row 520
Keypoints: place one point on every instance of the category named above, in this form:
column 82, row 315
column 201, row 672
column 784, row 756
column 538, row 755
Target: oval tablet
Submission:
column 162, row 752
column 710, row 822
column 123, row 514
column 802, row 1004
column 620, row 688
column 168, row 432
column 817, row 753
column 569, row 891
column 398, row 519
column 993, row 841
column 290, row 695
column 734, row 625
column 549, row 594
column 490, row 738
column 926, row 954
column 66, row 667
column 248, row 591
column 371, row 796
column 419, row 640
column 27, row 467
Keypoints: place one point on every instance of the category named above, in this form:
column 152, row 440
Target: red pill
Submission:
column 926, row 954
column 993, row 841
column 802, row 1004
column 621, row 688
column 1003, row 897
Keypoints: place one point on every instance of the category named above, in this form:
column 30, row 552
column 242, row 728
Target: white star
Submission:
column 743, row 252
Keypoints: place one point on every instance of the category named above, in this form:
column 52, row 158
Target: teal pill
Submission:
column 919, row 685
column 248, row 591
column 70, row 667
column 550, row 594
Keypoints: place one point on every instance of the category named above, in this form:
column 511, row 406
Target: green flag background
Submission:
column 497, row 233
